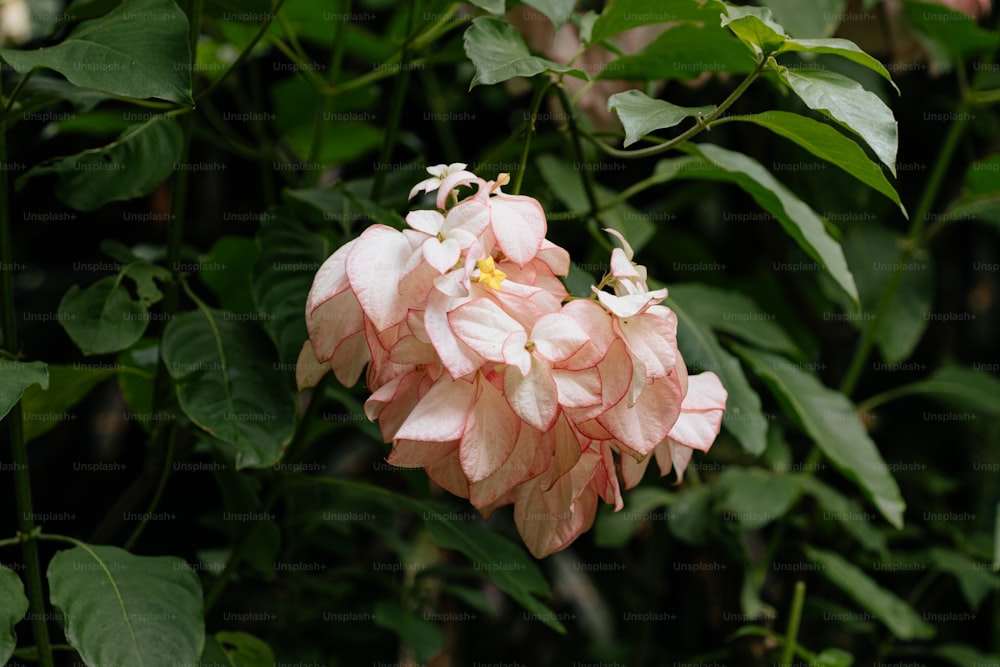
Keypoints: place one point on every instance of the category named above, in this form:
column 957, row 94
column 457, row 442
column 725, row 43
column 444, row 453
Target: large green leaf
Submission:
column 837, row 507
column 15, row 377
column 960, row 388
column 975, row 581
column 954, row 30
column 821, row 21
column 795, row 216
column 685, row 51
column 845, row 100
column 102, row 317
column 873, row 254
column 139, row 50
column 830, row 419
column 141, row 158
column 839, row 47
column 121, row 609
column 558, row 11
column 754, row 498
column 621, row 15
column 226, row 374
column 756, row 27
column 499, row 53
column 699, row 346
column 420, row 634
column 13, row 605
column 640, row 114
column 898, row 616
column 828, row 144
column 68, row 385
column 281, row 277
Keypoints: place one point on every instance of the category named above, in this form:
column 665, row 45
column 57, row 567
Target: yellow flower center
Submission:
column 489, row 273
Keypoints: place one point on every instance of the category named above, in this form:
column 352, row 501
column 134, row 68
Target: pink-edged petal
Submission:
column 545, row 532
column 632, row 470
column 392, row 403
column 308, row 371
column 652, row 341
column 471, row 216
column 331, row 278
column 680, row 457
column 447, row 473
column 458, row 358
column 374, row 268
column 518, row 222
column 622, row 267
column 442, row 255
column 598, row 324
column 533, row 396
column 701, row 412
column 428, row 222
column 642, row 427
column 350, row 358
column 452, row 181
column 440, row 414
column 514, row 354
column 412, row 351
column 626, row 248
column 557, row 337
column 630, row 304
column 332, row 321
column 578, row 389
column 522, row 464
column 490, row 434
column 555, row 257
column 483, row 326
column 419, row 454
column 565, row 491
column 605, row 480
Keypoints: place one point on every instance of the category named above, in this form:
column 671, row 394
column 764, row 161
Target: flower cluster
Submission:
column 485, row 372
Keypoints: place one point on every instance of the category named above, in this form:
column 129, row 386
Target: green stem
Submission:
column 395, row 110
column 791, row 636
column 574, row 133
column 704, row 123
column 19, row 450
column 17, row 91
column 529, row 131
column 913, row 241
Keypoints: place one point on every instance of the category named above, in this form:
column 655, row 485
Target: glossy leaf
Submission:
column 133, row 165
column 849, row 104
column 756, row 27
column 16, row 377
column 139, row 49
column 224, row 371
column 795, row 216
column 839, row 47
column 641, row 114
column 621, row 15
column 492, row 6
column 13, row 606
column 828, row 144
column 830, row 419
column 121, row 609
column 102, row 317
column 499, row 53
column 892, row 610
column 44, row 408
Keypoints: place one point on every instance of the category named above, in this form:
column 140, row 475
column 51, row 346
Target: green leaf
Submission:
column 838, row 47
column 499, row 53
column 281, row 278
column 685, row 51
column 492, row 6
column 13, row 606
column 873, row 253
column 898, row 616
column 830, row 419
column 961, row 655
column 837, row 507
column 558, row 11
column 755, row 27
column 736, row 314
column 821, row 21
column 692, row 515
column 621, row 15
column 121, row 609
column 849, row 104
column 954, row 30
column 615, row 529
column 566, row 184
column 975, row 580
column 828, row 144
column 422, row 636
column 133, row 165
column 640, row 114
column 245, row 650
column 102, row 317
column 959, row 387
column 754, row 497
column 699, row 346
column 507, row 565
column 224, row 371
column 145, row 275
column 800, row 221
column 137, row 368
column 138, row 50
column 834, row 657
column 226, row 271
column 15, row 377
column 44, row 407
